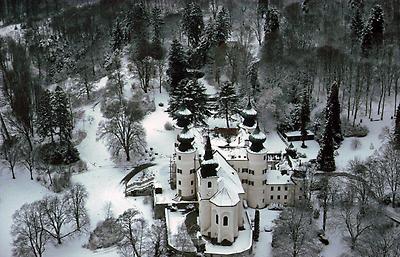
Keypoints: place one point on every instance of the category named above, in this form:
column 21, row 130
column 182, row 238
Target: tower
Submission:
column 207, row 187
column 185, row 165
column 249, row 116
column 257, row 156
column 183, row 117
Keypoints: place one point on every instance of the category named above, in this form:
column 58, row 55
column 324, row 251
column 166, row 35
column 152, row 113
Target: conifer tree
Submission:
column 62, row 115
column 227, row 101
column 397, row 130
column 252, row 76
column 256, row 233
column 190, row 94
column 117, row 40
column 192, row 23
column 271, row 23
column 45, row 118
column 177, row 64
column 373, row 32
column 304, row 117
column 157, row 51
column 222, row 27
column 357, row 27
column 334, row 117
column 326, row 158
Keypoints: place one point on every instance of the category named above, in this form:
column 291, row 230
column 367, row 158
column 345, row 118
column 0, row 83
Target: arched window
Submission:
column 209, row 184
column 225, row 221
column 216, row 219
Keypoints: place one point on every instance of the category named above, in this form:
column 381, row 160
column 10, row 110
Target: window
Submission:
column 192, row 171
column 263, row 200
column 301, row 189
column 279, row 188
column 286, row 188
column 179, row 157
column 272, row 188
column 192, row 192
column 279, row 197
column 179, row 171
column 216, row 219
column 285, row 197
column 299, row 197
column 209, row 184
column 244, row 170
column 265, row 157
column 179, row 192
column 272, row 197
column 179, row 182
column 251, row 172
column 191, row 182
column 225, row 221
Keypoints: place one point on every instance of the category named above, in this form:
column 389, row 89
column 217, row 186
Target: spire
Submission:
column 257, row 139
column 209, row 165
column 208, row 154
column 185, row 139
column 249, row 115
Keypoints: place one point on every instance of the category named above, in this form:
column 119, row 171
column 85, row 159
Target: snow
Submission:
column 263, row 248
column 23, row 190
column 297, row 133
column 250, row 112
column 177, row 229
column 210, row 89
column 274, row 177
column 14, row 31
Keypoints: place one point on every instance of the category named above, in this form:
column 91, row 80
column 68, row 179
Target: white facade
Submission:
column 186, row 173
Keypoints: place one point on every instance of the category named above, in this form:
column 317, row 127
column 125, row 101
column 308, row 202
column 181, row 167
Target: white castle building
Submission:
column 227, row 179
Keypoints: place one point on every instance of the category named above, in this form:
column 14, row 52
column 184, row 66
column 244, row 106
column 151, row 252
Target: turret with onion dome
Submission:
column 183, row 116
column 185, row 139
column 249, row 115
column 208, row 165
column 257, row 139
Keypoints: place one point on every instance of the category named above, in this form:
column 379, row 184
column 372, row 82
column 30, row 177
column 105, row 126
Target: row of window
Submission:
column 278, row 197
column 224, row 220
column 191, row 182
column 251, row 172
column 278, row 188
column 191, row 171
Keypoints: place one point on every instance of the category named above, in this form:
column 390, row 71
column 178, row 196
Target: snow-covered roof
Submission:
column 183, row 111
column 234, row 153
column 250, row 112
column 186, row 134
column 275, row 177
column 297, row 133
column 229, row 184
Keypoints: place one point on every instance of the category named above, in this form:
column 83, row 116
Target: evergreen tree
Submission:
column 192, row 23
column 256, row 233
column 190, row 94
column 62, row 115
column 273, row 45
column 222, row 27
column 397, row 129
column 45, row 116
column 304, row 117
column 373, row 32
column 227, row 101
column 262, row 7
column 271, row 23
column 117, row 40
column 157, row 51
column 177, row 64
column 252, row 76
column 326, row 158
column 357, row 27
column 334, row 117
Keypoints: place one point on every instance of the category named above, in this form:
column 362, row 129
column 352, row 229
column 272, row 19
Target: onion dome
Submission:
column 257, row 139
column 249, row 115
column 185, row 139
column 208, row 165
column 183, row 116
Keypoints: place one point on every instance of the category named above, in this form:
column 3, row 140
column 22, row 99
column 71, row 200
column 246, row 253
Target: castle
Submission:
column 226, row 179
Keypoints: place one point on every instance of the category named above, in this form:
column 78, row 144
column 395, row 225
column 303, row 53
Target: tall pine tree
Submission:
column 222, row 27
column 357, row 27
column 373, row 32
column 304, row 116
column 397, row 130
column 62, row 115
column 192, row 23
column 45, row 116
column 326, row 158
column 177, row 64
column 334, row 117
column 190, row 94
column 227, row 102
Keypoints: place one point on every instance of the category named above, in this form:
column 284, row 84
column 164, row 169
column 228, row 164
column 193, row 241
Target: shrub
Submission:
column 61, row 181
column 106, row 234
column 168, row 126
column 356, row 131
column 58, row 154
column 355, row 144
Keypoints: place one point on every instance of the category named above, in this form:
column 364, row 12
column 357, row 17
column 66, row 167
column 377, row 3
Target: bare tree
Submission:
column 382, row 240
column 356, row 221
column 57, row 217
column 294, row 234
column 133, row 228
column 145, row 70
column 77, row 196
column 30, row 237
column 12, row 154
column 158, row 240
column 123, row 130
